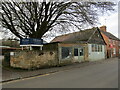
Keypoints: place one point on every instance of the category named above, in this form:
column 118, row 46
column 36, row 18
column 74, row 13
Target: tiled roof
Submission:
column 111, row 36
column 80, row 37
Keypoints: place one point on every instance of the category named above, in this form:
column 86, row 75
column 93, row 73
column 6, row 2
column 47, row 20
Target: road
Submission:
column 99, row 75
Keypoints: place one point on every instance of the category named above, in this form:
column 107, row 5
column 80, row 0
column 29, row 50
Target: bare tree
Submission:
column 34, row 19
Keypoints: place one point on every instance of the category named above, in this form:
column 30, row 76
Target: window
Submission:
column 75, row 52
column 93, row 48
column 96, row 48
column 119, row 51
column 113, row 42
column 119, row 43
column 101, row 48
column 81, row 51
column 109, row 41
column 114, row 51
column 66, row 52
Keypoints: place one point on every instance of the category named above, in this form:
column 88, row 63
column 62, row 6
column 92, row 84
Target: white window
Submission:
column 119, row 51
column 114, row 51
column 113, row 42
column 93, row 48
column 96, row 48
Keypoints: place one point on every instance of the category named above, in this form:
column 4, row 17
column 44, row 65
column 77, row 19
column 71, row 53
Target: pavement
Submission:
column 102, row 74
column 10, row 74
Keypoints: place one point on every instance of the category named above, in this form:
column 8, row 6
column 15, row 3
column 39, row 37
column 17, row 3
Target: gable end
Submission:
column 96, row 38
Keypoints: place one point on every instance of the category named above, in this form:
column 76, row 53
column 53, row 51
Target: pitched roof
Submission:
column 111, row 36
column 80, row 37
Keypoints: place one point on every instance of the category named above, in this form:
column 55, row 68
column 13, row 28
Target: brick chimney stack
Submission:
column 103, row 28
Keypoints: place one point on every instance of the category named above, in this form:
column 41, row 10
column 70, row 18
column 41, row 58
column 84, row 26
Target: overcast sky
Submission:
column 110, row 21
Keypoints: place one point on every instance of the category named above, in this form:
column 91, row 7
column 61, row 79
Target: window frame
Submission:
column 114, row 50
column 75, row 52
column 96, row 48
column 69, row 54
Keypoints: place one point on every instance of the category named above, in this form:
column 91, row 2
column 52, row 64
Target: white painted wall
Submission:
column 94, row 56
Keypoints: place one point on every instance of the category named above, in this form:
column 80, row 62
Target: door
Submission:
column 79, row 54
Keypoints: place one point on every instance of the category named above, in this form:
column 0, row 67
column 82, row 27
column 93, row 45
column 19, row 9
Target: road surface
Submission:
column 99, row 75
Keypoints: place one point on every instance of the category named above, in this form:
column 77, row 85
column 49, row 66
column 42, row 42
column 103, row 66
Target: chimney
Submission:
column 103, row 28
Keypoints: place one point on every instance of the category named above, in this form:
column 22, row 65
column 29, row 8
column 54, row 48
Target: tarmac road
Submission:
column 99, row 75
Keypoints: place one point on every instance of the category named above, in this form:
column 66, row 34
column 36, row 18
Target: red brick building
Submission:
column 113, row 43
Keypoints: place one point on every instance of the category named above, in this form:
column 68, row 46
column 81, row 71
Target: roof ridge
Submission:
column 115, row 38
column 79, row 34
column 76, row 32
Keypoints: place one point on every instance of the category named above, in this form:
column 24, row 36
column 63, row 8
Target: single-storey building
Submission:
column 86, row 45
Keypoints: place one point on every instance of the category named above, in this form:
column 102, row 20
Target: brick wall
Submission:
column 109, row 51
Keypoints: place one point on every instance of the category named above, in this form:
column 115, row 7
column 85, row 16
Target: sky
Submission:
column 110, row 21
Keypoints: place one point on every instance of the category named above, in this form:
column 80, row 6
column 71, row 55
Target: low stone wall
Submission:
column 33, row 59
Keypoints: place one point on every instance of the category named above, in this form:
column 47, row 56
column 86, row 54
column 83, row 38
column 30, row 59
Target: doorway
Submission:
column 79, row 54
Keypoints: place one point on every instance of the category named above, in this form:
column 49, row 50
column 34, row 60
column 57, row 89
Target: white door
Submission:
column 79, row 54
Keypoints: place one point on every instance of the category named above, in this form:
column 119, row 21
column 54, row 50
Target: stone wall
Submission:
column 33, row 59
